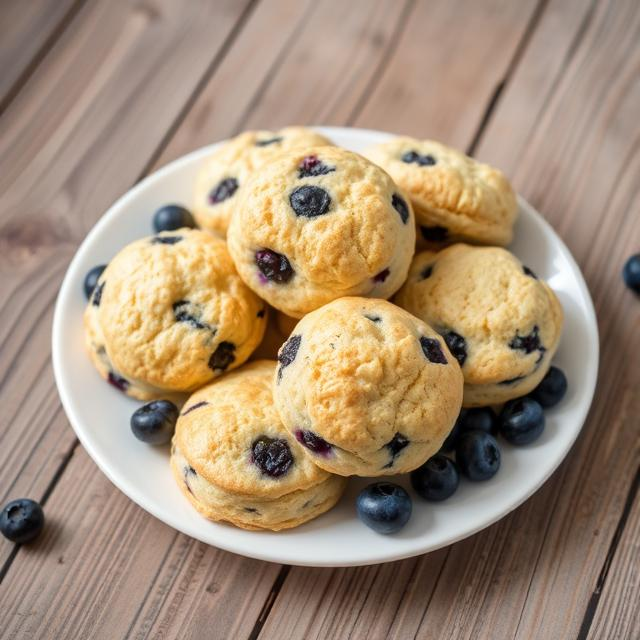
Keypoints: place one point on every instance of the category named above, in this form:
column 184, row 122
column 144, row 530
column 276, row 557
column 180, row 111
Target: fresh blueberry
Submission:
column 384, row 507
column 432, row 350
column 309, row 201
column 155, row 421
column 223, row 356
column 480, row 419
column 172, row 217
column 313, row 442
column 272, row 456
column 21, row 520
column 223, row 190
column 452, row 439
column 631, row 272
column 457, row 345
column 91, row 279
column 437, row 479
column 552, row 388
column 521, row 421
column 477, row 455
column 434, row 234
column 401, row 207
column 273, row 266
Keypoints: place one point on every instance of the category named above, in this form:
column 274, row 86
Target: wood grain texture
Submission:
column 617, row 614
column 97, row 105
column 26, row 30
column 82, row 579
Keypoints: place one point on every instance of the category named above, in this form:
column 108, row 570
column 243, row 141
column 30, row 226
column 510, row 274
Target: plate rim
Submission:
column 137, row 496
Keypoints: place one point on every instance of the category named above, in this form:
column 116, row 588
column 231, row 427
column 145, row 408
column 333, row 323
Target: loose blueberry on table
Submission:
column 552, row 388
column 384, row 507
column 155, row 422
column 172, row 217
column 521, row 421
column 437, row 479
column 91, row 279
column 21, row 520
column 478, row 455
column 631, row 273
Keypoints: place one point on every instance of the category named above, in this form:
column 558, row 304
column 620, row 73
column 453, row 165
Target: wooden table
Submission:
column 94, row 95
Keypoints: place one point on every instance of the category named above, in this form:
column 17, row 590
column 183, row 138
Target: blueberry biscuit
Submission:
column 367, row 388
column 454, row 196
column 501, row 322
column 234, row 461
column 170, row 313
column 222, row 177
column 318, row 224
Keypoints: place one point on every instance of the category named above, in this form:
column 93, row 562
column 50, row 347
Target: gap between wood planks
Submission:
column 39, row 56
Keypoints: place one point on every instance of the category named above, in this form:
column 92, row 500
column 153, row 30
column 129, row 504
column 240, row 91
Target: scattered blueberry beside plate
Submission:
column 450, row 442
column 21, row 520
column 172, row 217
column 552, row 388
column 155, row 422
column 521, row 421
column 437, row 479
column 478, row 455
column 384, row 507
column 480, row 418
column 631, row 272
column 91, row 279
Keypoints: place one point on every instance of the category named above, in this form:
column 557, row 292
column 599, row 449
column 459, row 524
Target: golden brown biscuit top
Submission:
column 495, row 312
column 220, row 425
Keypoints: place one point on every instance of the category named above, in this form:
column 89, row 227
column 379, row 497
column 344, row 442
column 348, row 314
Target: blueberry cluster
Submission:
column 386, row 507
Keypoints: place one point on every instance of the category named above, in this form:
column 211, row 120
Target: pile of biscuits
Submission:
column 269, row 324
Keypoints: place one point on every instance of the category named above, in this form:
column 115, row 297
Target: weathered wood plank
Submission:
column 96, row 106
column 617, row 612
column 26, row 30
column 83, row 579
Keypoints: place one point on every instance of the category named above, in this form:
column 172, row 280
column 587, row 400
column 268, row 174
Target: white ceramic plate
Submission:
column 100, row 414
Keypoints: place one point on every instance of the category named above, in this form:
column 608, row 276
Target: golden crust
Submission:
column 144, row 339
column 332, row 255
column 237, row 159
column 484, row 295
column 359, row 378
column 472, row 200
column 215, row 440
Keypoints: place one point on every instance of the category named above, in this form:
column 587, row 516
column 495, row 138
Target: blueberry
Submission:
column 310, row 201
column 155, row 421
column 426, row 160
column 521, row 421
column 117, row 381
column 223, row 356
column 312, row 166
column 552, row 388
column 272, row 456
column 189, row 313
column 384, row 507
column 21, row 520
column 457, row 345
column 528, row 343
column 452, row 439
column 395, row 446
column 274, row 266
column 437, row 479
column 172, row 217
column 631, row 272
column 91, row 279
column 432, row 350
column 223, row 190
column 434, row 234
column 401, row 207
column 288, row 352
column 313, row 442
column 480, row 419
column 478, row 455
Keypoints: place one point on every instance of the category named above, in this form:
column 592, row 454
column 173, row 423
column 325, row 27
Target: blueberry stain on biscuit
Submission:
column 413, row 157
column 313, row 442
column 288, row 352
column 401, row 207
column 223, row 190
column 312, row 166
column 432, row 350
column 395, row 446
column 189, row 313
column 118, row 381
column 528, row 343
column 223, row 356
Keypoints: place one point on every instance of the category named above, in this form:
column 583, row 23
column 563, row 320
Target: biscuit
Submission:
column 501, row 322
column 235, row 462
column 367, row 388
